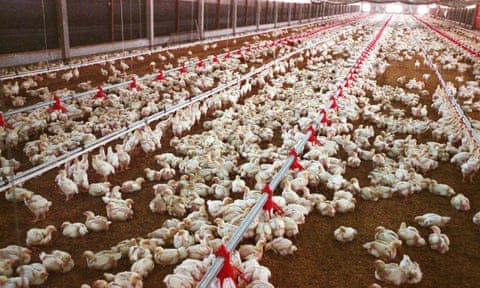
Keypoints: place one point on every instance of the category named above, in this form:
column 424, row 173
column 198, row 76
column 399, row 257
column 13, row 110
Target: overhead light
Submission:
column 394, row 8
column 422, row 10
column 366, row 7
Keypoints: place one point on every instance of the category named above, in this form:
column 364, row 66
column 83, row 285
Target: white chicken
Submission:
column 282, row 246
column 57, row 261
column 96, row 223
column 143, row 266
column 410, row 235
column 169, row 256
column 67, row 186
column 38, row 205
column 345, row 234
column 103, row 260
column 73, row 230
column 476, row 218
column 430, row 219
column 460, row 202
column 132, row 185
column 36, row 273
column 6, row 267
column 413, row 270
column 438, row 241
column 102, row 167
column 40, row 236
column 390, row 273
column 99, row 189
column 382, row 249
column 18, row 254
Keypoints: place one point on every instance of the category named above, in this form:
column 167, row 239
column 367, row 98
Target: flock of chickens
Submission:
column 205, row 184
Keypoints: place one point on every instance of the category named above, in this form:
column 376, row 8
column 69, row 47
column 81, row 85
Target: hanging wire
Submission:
column 140, row 18
column 45, row 32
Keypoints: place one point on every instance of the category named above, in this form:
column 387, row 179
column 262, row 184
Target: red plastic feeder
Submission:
column 134, row 85
column 249, row 49
column 200, row 64
column 183, row 70
column 325, row 119
column 228, row 55
column 313, row 138
column 57, row 106
column 228, row 270
column 100, row 93
column 160, row 76
column 270, row 204
column 2, row 122
column 215, row 59
column 295, row 164
column 334, row 103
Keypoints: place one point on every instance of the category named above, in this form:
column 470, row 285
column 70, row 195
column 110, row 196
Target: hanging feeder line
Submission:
column 147, row 77
column 450, row 97
column 106, row 58
column 460, row 44
column 38, row 170
column 266, row 195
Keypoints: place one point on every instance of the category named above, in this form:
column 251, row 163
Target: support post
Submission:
column 275, row 14
column 64, row 39
column 150, row 23
column 201, row 19
column 257, row 14
column 234, row 16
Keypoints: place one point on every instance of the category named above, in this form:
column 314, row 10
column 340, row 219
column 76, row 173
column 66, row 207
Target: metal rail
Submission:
column 42, row 168
column 465, row 47
column 451, row 98
column 145, row 77
column 253, row 214
column 131, row 54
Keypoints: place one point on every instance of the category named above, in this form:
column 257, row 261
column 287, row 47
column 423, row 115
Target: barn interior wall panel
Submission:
column 22, row 26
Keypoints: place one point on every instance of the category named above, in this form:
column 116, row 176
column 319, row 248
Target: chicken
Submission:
column 103, row 260
column 430, row 219
column 57, row 261
column 13, row 282
column 18, row 194
column 143, row 266
column 99, row 189
column 438, row 241
column 410, row 235
column 390, row 273
column 476, row 218
column 169, row 256
column 120, row 210
column 460, row 202
column 6, row 267
column 73, row 230
column 132, row 186
column 18, row 254
column 345, row 234
column 67, row 186
column 96, row 223
column 282, row 246
column 386, row 235
column 413, row 270
column 382, row 249
column 39, row 236
column 125, row 279
column 36, row 273
column 102, row 167
column 38, row 205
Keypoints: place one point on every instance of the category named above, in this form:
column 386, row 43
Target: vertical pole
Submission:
column 150, row 23
column 275, row 14
column 246, row 13
column 257, row 14
column 201, row 18
column 234, row 16
column 300, row 12
column 323, row 9
column 62, row 20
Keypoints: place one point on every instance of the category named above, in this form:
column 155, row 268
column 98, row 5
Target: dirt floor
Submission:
column 320, row 259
